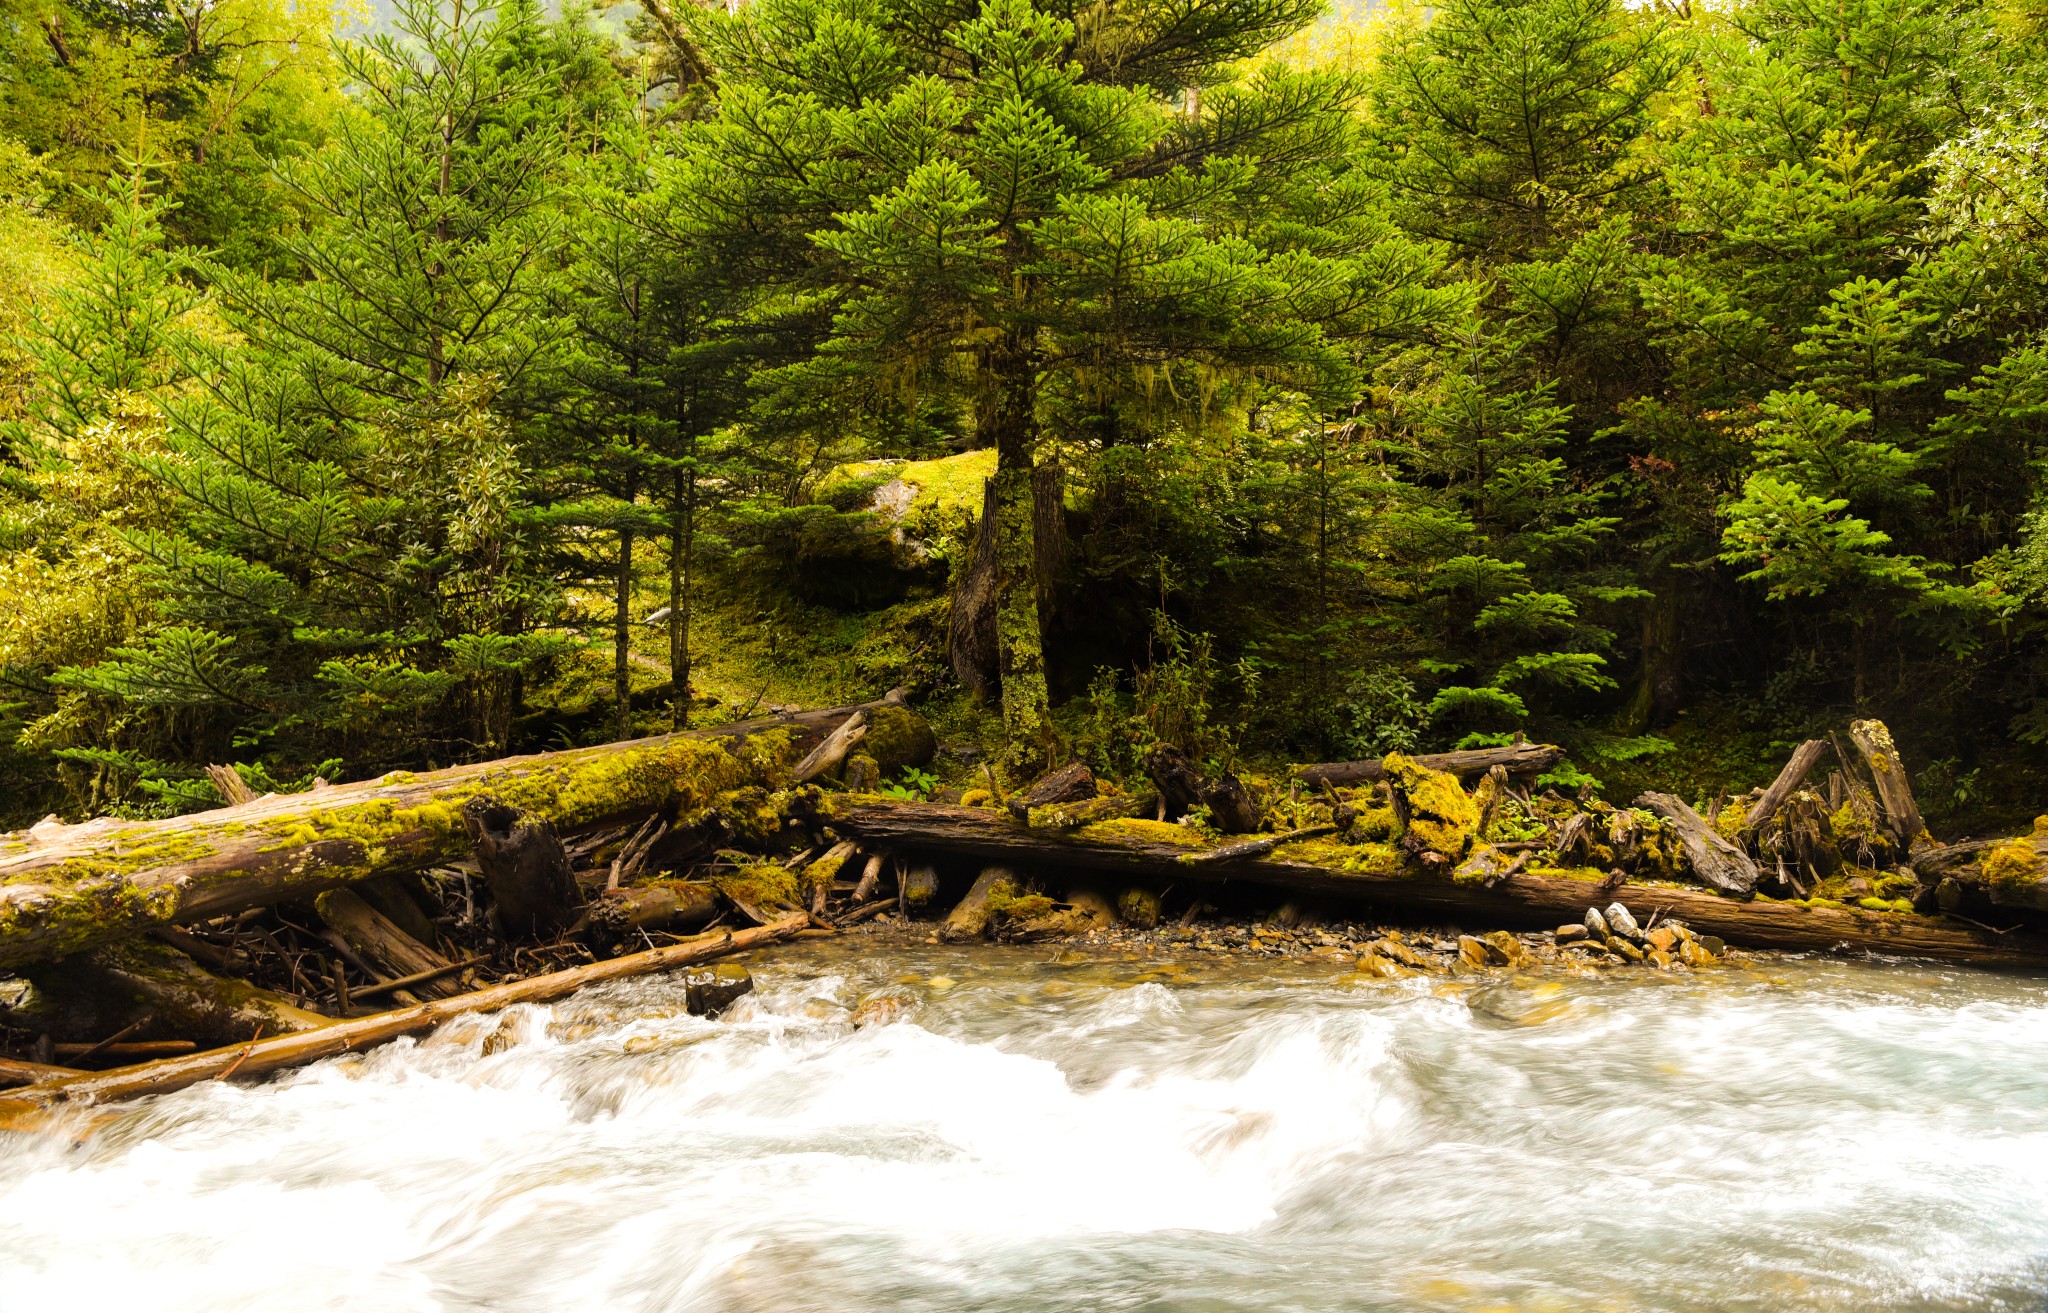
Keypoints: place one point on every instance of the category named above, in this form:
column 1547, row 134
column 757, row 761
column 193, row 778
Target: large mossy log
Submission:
column 65, row 889
column 1378, row 874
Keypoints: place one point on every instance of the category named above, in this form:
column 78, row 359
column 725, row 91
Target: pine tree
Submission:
column 1019, row 196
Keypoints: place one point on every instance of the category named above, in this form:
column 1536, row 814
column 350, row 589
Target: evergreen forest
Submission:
column 1666, row 382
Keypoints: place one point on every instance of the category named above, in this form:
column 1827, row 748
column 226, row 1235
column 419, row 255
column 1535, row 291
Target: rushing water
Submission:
column 1100, row 1134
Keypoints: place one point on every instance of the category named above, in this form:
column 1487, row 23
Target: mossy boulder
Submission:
column 898, row 738
column 1439, row 819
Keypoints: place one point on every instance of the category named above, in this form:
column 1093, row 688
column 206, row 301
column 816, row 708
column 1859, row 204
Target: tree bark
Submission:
column 1716, row 862
column 1520, row 899
column 1804, row 758
column 1900, row 814
column 533, row 888
column 971, row 622
column 35, row 1108
column 1517, row 758
column 380, row 940
column 70, row 888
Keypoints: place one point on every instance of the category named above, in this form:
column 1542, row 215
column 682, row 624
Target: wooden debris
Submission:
column 379, row 941
column 828, row 757
column 1070, row 783
column 35, row 1108
column 1897, row 811
column 1716, row 862
column 1804, row 758
column 533, row 889
column 1515, row 758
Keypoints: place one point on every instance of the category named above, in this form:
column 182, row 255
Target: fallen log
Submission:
column 1375, row 874
column 94, row 993
column 64, row 889
column 1515, row 758
column 20, row 1071
column 377, row 938
column 33, row 1108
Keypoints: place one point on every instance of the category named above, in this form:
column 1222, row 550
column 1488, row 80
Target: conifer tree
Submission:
column 1022, row 194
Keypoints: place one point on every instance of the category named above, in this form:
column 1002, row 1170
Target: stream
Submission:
column 1039, row 1130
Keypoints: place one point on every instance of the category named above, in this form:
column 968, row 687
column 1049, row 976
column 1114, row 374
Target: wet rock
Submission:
column 712, row 989
column 1596, row 924
column 1658, row 958
column 1473, row 953
column 1371, row 963
column 1621, row 923
column 1616, row 944
column 1570, row 934
column 885, row 1006
column 1713, row 944
column 1505, row 949
column 1664, row 939
column 1391, row 946
column 1693, row 955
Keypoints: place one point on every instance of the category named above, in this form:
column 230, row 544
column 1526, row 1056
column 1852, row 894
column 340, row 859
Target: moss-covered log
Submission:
column 1515, row 758
column 1382, row 875
column 65, row 890
column 89, row 995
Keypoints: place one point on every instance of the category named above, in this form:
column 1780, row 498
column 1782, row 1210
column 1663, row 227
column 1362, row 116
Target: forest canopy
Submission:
column 1665, row 382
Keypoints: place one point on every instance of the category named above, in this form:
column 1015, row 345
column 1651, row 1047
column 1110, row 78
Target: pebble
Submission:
column 1570, row 934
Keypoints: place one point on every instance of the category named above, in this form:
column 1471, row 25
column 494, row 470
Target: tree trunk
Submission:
column 622, row 637
column 1901, row 815
column 1804, row 758
column 1519, row 899
column 1009, row 419
column 533, row 889
column 67, row 889
column 1716, row 862
column 971, row 623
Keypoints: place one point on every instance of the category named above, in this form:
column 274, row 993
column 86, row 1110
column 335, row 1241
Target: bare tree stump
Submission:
column 533, row 892
column 1804, row 758
column 1900, row 814
column 1072, row 782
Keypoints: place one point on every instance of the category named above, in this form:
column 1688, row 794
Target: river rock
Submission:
column 885, row 1006
column 1690, row 953
column 1664, row 939
column 710, row 990
column 1569, row 934
column 1616, row 944
column 1504, row 948
column 1622, row 924
column 1596, row 924
column 1472, row 953
column 1659, row 959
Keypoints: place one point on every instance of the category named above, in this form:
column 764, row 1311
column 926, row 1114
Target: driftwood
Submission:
column 1515, row 758
column 64, row 889
column 1072, row 782
column 19, row 1071
column 969, row 917
column 828, row 757
column 35, row 1107
column 1896, row 808
column 1716, row 862
column 1804, row 758
column 533, row 887
column 91, row 994
column 379, row 940
column 1523, row 899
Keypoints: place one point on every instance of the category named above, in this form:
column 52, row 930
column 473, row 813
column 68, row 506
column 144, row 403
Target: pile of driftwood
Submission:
column 278, row 930
column 281, row 929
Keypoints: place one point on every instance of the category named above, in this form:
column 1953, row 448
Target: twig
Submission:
column 113, row 1039
column 236, row 1065
column 1254, row 847
column 423, row 977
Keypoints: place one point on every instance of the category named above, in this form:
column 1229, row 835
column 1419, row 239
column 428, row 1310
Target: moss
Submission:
column 1129, row 827
column 1590, row 874
column 2012, row 865
column 764, row 885
column 898, row 737
column 1729, row 823
column 1382, row 859
column 1375, row 824
column 1441, row 817
column 977, row 798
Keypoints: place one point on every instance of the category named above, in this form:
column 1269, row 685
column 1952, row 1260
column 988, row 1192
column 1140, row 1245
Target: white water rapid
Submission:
column 1088, row 1134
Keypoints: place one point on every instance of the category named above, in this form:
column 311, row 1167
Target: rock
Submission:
column 1596, row 924
column 1663, row 938
column 1570, row 934
column 1713, row 944
column 1626, row 949
column 885, row 1006
column 1690, row 953
column 1473, row 953
column 1371, row 963
column 1659, row 958
column 1505, row 949
column 1138, row 906
column 1391, row 947
column 710, row 990
column 1621, row 923
column 1858, row 887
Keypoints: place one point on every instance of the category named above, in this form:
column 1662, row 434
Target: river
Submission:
column 1051, row 1131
